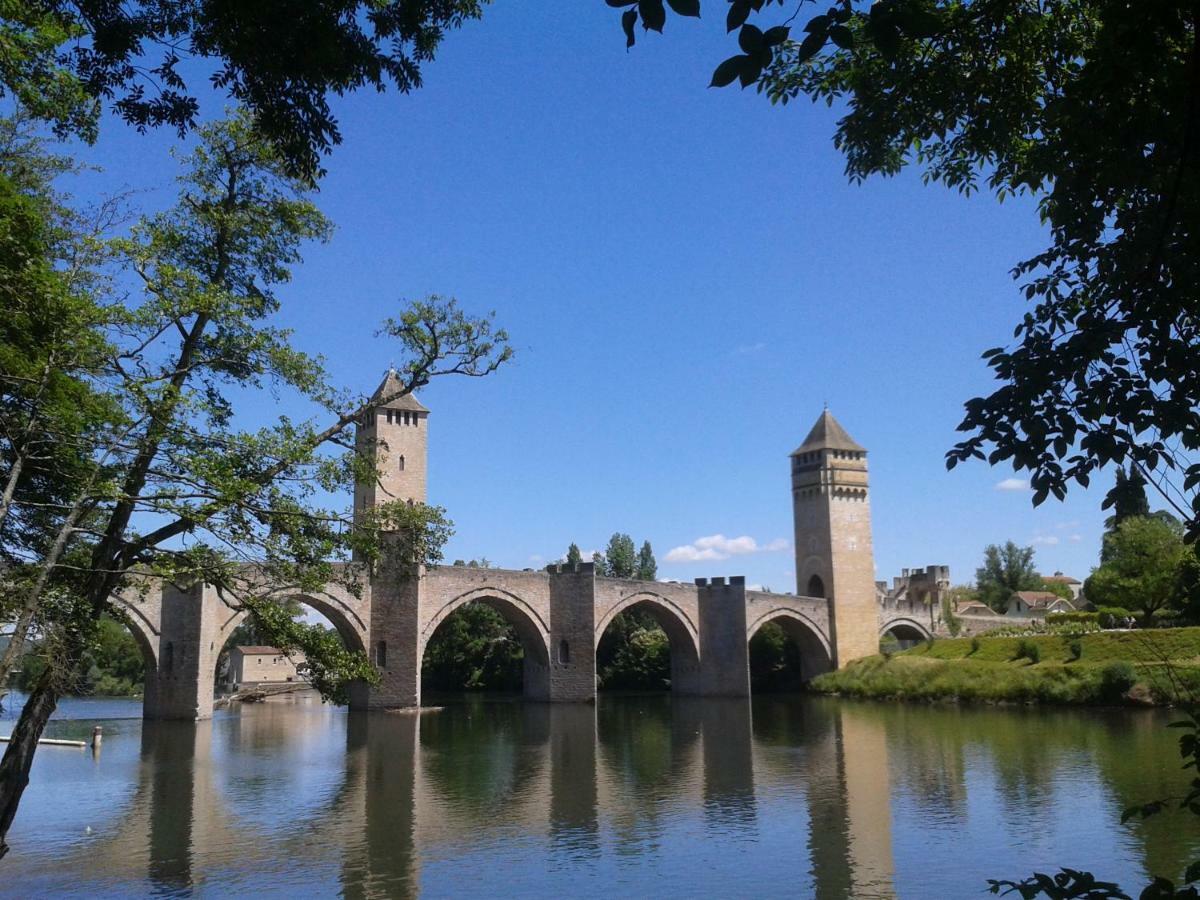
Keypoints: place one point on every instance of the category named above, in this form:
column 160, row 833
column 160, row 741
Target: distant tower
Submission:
column 397, row 433
column 832, row 515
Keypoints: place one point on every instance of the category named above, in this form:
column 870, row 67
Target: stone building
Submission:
column 396, row 435
column 1036, row 604
column 1074, row 585
column 831, row 511
column 249, row 666
column 916, row 593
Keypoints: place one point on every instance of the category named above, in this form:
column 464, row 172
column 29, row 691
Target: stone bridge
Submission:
column 561, row 613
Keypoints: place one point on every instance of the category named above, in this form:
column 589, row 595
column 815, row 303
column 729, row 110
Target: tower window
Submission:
column 402, row 464
column 381, row 653
column 389, row 417
column 816, row 587
column 564, row 653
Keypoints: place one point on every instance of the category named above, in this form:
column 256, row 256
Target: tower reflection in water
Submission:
column 544, row 796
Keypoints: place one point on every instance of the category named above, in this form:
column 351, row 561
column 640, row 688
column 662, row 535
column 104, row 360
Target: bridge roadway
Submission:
column 560, row 615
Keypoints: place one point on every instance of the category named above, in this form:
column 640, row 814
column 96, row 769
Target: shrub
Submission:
column 1028, row 650
column 953, row 622
column 1076, row 648
column 1115, row 679
column 1078, row 617
column 888, row 646
column 975, row 645
column 1111, row 616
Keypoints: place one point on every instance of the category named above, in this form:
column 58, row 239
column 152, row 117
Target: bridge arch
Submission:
column 816, row 655
column 531, row 626
column 905, row 630
column 144, row 631
column 345, row 620
column 683, row 636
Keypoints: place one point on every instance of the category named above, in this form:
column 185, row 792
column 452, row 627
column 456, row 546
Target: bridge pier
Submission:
column 179, row 684
column 724, row 645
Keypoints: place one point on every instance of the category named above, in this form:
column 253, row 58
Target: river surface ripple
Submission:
column 636, row 796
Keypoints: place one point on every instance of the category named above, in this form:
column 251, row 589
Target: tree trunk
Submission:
column 16, row 644
column 18, row 757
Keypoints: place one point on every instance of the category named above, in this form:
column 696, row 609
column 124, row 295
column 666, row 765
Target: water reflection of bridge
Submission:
column 583, row 781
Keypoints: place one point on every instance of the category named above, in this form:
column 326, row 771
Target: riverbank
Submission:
column 1160, row 667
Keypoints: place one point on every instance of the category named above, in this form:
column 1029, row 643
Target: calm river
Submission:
column 637, row 796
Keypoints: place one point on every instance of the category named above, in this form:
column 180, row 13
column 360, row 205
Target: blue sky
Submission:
column 687, row 276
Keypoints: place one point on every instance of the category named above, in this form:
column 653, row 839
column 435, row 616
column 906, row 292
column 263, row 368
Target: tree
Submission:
column 51, row 351
column 634, row 653
column 600, row 564
column 1093, row 108
column 1143, row 559
column 1057, row 588
column 474, row 649
column 62, row 60
column 574, row 557
column 647, row 567
column 620, row 556
column 1127, row 498
column 1186, row 594
column 1005, row 570
column 187, row 495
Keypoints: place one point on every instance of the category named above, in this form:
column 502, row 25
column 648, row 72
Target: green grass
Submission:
column 1164, row 666
column 1159, row 645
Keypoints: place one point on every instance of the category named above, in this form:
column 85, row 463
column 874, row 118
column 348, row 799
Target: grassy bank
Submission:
column 1139, row 667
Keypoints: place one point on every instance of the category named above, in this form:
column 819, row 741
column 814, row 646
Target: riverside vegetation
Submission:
column 1160, row 667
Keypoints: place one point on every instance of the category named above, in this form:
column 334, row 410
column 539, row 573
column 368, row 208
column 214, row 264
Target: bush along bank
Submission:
column 1160, row 667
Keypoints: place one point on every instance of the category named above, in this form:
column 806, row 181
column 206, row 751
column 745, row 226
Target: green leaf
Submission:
column 772, row 37
column 628, row 20
column 751, row 70
column 812, row 45
column 841, row 36
column 728, row 71
column 653, row 14
column 1192, row 873
column 685, row 7
column 750, row 38
column 817, row 24
column 739, row 12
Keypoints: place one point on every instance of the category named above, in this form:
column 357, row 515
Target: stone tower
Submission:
column 832, row 513
column 397, row 432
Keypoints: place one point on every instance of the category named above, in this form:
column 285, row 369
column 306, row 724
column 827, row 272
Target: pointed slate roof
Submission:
column 391, row 384
column 827, row 434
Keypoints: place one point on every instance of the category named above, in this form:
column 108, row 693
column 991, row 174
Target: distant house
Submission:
column 262, row 665
column 1035, row 604
column 975, row 608
column 1073, row 584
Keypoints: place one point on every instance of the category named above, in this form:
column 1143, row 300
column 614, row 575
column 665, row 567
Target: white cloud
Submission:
column 749, row 349
column 717, row 547
column 1013, row 484
column 1075, row 538
column 1049, row 540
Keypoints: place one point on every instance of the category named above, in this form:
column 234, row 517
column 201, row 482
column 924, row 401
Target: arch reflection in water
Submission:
column 797, row 796
column 556, row 797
